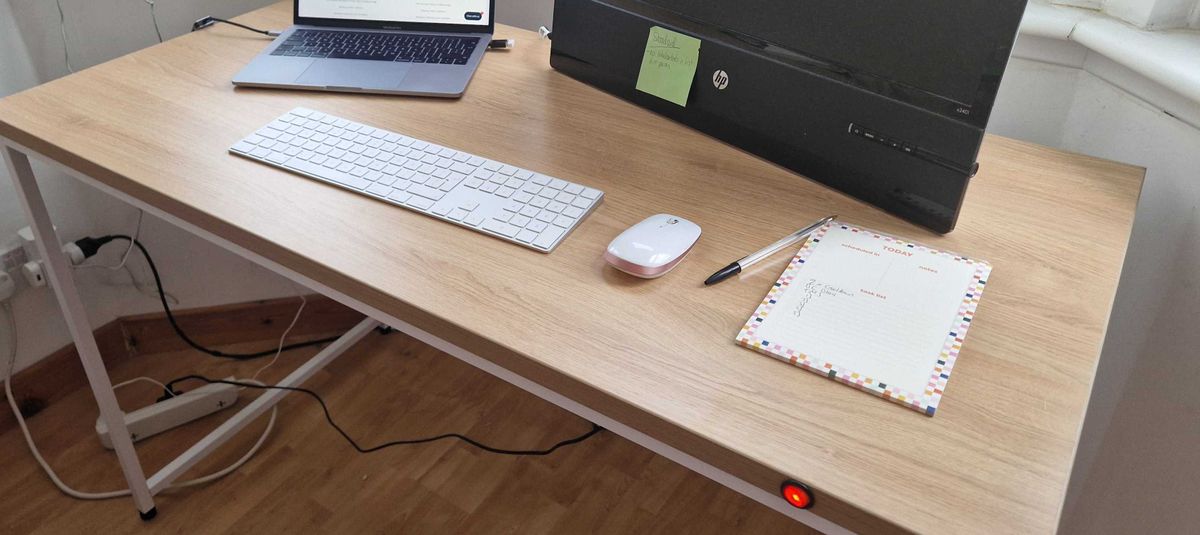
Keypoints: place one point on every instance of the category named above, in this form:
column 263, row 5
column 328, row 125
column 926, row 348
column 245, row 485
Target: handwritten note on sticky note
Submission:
column 669, row 65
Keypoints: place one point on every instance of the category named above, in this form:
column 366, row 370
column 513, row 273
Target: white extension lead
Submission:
column 12, row 361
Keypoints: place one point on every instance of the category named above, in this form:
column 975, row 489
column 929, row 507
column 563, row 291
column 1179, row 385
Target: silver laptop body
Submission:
column 397, row 47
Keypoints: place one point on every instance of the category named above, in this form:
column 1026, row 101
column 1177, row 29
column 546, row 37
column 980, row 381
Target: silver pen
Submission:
column 754, row 258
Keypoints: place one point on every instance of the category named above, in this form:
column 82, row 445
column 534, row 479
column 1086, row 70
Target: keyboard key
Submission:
column 501, row 228
column 522, row 197
column 426, row 191
column 380, row 190
column 442, row 209
column 519, row 220
column 536, row 226
column 564, row 221
column 474, row 220
column 505, row 192
column 573, row 212
column 574, row 189
column 420, row 203
column 556, row 207
column 580, row 202
column 400, row 196
column 548, row 237
column 458, row 214
column 564, row 198
column 244, row 147
column 529, row 211
column 462, row 168
column 527, row 236
column 557, row 183
column 540, row 180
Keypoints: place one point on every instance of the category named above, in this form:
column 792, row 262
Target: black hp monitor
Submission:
column 886, row 101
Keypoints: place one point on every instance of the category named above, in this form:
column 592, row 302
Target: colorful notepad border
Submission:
column 926, row 401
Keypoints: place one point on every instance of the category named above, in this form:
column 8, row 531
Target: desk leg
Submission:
column 74, row 312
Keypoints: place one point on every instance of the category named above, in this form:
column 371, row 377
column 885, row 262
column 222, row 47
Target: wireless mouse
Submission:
column 653, row 247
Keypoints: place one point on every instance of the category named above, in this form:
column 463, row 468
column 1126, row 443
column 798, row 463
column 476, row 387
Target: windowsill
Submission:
column 1170, row 58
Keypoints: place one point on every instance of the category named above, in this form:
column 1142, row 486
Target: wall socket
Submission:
column 13, row 257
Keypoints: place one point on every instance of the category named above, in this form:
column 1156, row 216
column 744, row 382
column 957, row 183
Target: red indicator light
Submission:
column 797, row 494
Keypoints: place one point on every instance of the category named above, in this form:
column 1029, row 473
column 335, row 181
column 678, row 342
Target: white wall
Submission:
column 1136, row 467
column 528, row 14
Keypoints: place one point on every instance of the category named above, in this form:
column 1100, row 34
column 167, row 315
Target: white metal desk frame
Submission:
column 16, row 158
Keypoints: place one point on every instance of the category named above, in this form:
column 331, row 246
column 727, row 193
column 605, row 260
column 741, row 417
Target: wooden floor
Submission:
column 306, row 479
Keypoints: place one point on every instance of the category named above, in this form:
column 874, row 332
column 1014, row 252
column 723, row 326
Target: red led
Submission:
column 797, row 494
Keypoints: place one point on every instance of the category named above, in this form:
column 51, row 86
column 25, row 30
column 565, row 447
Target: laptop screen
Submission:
column 472, row 12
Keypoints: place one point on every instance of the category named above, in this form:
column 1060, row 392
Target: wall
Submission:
column 195, row 272
column 528, row 14
column 1142, row 429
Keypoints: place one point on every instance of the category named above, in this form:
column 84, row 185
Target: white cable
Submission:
column 62, row 28
column 12, row 363
column 155, row 19
column 282, row 339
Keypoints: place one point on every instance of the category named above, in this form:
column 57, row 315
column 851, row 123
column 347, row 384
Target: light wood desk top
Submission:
column 656, row 355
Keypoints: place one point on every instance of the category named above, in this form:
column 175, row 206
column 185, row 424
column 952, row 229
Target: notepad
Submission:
column 871, row 311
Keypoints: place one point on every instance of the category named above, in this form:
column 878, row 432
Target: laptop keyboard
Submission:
column 405, row 48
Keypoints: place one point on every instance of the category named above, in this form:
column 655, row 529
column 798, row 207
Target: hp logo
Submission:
column 720, row 79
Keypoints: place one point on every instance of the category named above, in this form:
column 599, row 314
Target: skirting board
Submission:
column 60, row 373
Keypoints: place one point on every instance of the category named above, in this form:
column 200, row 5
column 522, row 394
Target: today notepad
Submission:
column 872, row 311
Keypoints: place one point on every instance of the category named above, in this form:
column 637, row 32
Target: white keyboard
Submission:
column 487, row 196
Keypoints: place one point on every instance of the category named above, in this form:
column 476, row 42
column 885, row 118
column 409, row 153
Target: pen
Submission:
column 754, row 258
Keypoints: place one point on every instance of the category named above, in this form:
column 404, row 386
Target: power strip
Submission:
column 174, row 412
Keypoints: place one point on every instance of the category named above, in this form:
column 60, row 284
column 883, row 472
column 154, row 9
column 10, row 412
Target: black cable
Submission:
column 162, row 296
column 209, row 21
column 329, row 418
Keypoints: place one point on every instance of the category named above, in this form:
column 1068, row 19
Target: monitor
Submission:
column 885, row 101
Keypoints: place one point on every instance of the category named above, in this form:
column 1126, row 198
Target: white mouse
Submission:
column 653, row 247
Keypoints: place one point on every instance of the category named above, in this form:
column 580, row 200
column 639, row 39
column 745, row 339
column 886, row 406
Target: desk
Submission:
column 652, row 361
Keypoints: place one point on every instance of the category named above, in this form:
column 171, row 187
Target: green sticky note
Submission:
column 669, row 65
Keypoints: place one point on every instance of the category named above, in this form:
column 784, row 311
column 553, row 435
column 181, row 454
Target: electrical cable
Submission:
column 50, row 473
column 137, row 234
column 99, row 242
column 62, row 29
column 154, row 18
column 329, row 418
column 282, row 340
column 209, row 21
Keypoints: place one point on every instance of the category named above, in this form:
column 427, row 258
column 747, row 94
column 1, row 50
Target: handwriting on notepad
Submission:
column 814, row 289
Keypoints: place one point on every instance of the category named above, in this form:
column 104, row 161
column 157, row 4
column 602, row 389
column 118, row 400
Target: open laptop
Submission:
column 401, row 47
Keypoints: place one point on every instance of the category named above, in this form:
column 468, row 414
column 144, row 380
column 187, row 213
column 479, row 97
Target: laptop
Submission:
column 396, row 47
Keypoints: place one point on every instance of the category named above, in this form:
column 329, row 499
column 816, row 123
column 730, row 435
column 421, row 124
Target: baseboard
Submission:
column 61, row 373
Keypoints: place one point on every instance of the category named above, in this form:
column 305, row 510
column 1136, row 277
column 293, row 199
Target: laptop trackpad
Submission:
column 363, row 74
